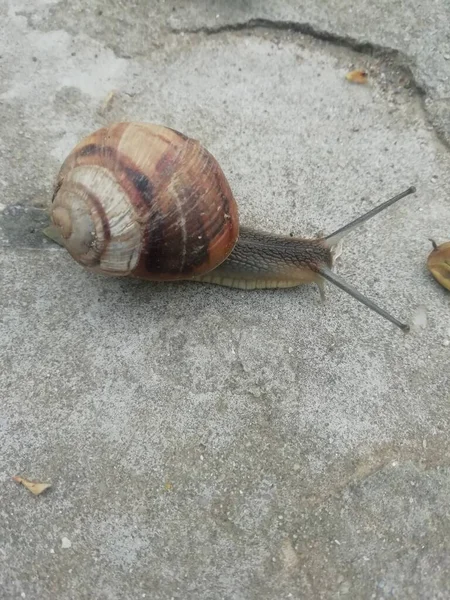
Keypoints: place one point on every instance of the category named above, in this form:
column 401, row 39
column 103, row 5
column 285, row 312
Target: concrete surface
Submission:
column 210, row 443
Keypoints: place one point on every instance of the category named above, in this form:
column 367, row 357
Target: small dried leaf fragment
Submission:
column 357, row 76
column 35, row 487
column 439, row 263
column 107, row 102
column 289, row 556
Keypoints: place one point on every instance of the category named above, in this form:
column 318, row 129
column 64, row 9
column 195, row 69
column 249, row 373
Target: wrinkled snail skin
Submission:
column 260, row 260
column 145, row 201
column 439, row 263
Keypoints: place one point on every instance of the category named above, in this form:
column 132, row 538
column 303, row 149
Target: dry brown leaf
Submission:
column 439, row 263
column 357, row 76
column 35, row 487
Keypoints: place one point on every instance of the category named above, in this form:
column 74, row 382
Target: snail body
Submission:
column 146, row 201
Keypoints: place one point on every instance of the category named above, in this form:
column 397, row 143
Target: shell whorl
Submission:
column 144, row 200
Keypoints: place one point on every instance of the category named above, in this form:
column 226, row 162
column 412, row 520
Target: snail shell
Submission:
column 144, row 200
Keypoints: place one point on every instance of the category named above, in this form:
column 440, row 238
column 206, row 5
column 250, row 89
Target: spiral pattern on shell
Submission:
column 144, row 200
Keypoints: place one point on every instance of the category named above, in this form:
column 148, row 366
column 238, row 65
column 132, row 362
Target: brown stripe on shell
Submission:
column 194, row 248
column 106, row 143
column 135, row 183
column 56, row 189
column 89, row 150
column 224, row 197
column 142, row 184
column 165, row 165
column 223, row 231
column 181, row 135
column 178, row 244
column 161, row 255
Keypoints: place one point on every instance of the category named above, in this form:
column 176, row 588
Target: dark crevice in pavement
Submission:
column 401, row 59
column 397, row 58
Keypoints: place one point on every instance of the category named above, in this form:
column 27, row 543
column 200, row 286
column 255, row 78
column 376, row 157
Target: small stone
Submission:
column 65, row 543
column 419, row 319
column 434, row 178
column 446, row 343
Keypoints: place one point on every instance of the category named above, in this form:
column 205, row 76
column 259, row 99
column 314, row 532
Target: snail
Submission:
column 439, row 263
column 143, row 200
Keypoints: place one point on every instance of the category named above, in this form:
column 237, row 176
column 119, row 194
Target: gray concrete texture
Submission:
column 211, row 443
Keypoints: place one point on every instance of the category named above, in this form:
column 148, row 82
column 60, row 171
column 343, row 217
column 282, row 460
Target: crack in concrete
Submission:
column 401, row 59
column 414, row 456
column 398, row 59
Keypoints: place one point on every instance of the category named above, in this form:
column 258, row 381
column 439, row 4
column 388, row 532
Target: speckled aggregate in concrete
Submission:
column 204, row 442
